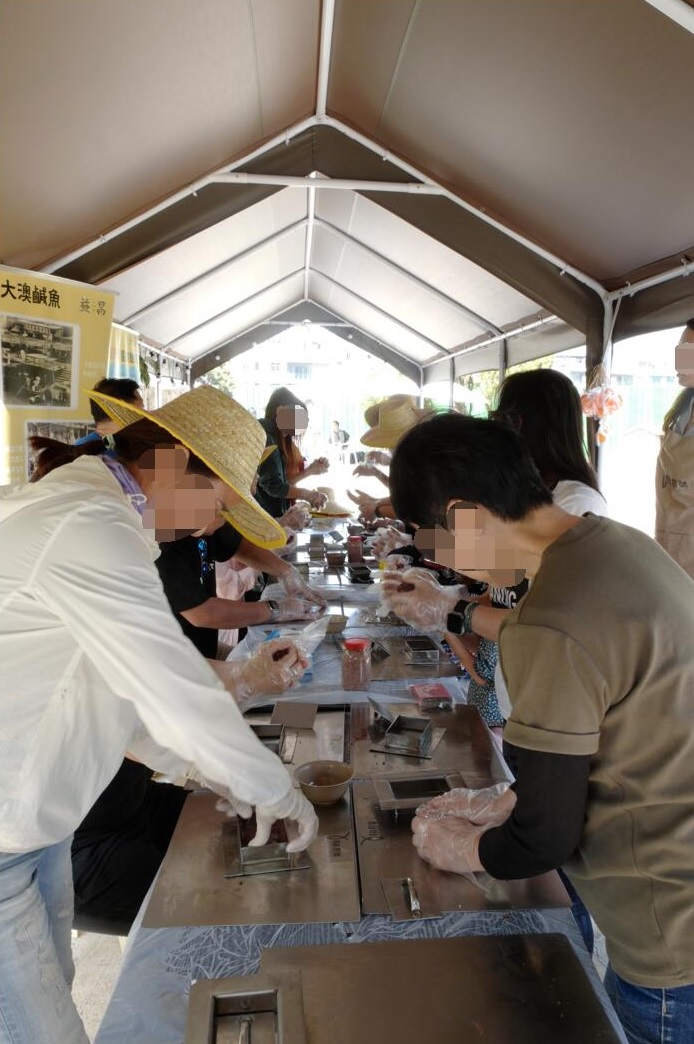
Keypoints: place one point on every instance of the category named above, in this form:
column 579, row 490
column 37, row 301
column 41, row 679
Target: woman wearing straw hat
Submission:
column 78, row 583
column 388, row 421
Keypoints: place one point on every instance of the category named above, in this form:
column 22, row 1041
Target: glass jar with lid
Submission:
column 356, row 663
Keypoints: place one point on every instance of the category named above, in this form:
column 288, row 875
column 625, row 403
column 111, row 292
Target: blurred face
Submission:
column 291, row 419
column 179, row 503
column 684, row 359
column 473, row 542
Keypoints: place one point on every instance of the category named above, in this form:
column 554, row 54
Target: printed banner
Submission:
column 54, row 338
column 124, row 354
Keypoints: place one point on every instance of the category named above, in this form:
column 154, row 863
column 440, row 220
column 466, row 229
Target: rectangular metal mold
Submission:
column 271, row 736
column 409, row 735
column 268, row 1009
column 241, row 860
column 421, row 649
column 408, row 791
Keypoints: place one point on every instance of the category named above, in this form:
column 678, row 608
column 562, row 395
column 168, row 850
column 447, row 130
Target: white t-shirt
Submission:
column 577, row 498
column 93, row 663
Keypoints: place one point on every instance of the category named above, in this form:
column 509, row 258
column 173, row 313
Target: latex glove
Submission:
column 388, row 539
column 294, row 585
column 293, row 806
column 416, row 597
column 365, row 503
column 297, row 609
column 274, row 667
column 232, row 806
column 319, row 466
column 316, row 500
column 489, row 807
column 448, row 844
column 297, row 517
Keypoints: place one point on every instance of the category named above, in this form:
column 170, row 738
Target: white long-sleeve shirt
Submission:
column 91, row 658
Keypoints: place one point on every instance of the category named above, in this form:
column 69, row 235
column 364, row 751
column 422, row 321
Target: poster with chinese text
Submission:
column 54, row 340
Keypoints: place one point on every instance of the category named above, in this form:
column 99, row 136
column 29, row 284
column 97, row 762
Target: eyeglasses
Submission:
column 206, row 566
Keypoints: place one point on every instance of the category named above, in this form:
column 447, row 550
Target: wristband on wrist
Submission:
column 274, row 610
column 377, row 509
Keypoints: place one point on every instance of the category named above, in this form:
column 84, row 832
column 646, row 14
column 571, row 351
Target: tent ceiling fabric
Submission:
column 558, row 135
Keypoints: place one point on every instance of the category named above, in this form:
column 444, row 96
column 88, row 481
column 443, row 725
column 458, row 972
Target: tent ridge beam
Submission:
column 327, row 20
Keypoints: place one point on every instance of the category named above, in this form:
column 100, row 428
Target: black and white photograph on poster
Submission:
column 64, row 431
column 39, row 360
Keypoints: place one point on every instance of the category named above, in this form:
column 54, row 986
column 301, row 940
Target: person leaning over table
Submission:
column 94, row 665
column 600, row 733
column 674, row 491
column 280, row 472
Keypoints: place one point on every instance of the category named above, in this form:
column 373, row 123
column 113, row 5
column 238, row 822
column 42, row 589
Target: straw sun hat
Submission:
column 390, row 419
column 224, row 435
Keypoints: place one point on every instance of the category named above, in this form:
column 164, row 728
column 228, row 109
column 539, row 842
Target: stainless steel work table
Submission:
column 150, row 999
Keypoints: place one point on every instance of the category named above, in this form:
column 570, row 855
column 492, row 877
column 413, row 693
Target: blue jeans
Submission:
column 652, row 1016
column 36, row 968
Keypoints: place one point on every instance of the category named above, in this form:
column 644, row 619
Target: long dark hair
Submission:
column 546, row 408
column 284, row 439
column 130, row 445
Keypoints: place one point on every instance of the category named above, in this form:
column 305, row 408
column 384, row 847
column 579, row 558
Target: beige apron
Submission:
column 674, row 498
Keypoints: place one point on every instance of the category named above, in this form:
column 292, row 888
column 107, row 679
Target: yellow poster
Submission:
column 54, row 337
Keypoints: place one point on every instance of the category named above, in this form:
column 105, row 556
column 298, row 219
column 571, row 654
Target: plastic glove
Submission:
column 297, row 517
column 293, row 806
column 489, row 807
column 274, row 667
column 231, row 806
column 296, row 609
column 294, row 585
column 365, row 503
column 387, row 540
column 448, row 844
column 319, row 466
column 416, row 597
column 316, row 500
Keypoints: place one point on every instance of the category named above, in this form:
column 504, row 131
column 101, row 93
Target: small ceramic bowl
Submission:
column 324, row 782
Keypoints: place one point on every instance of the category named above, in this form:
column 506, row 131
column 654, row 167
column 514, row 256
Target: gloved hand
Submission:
column 316, row 500
column 293, row 806
column 297, row 517
column 386, row 540
column 231, row 806
column 448, row 844
column 416, row 597
column 365, row 503
column 294, row 585
column 273, row 668
column 488, row 807
column 297, row 609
